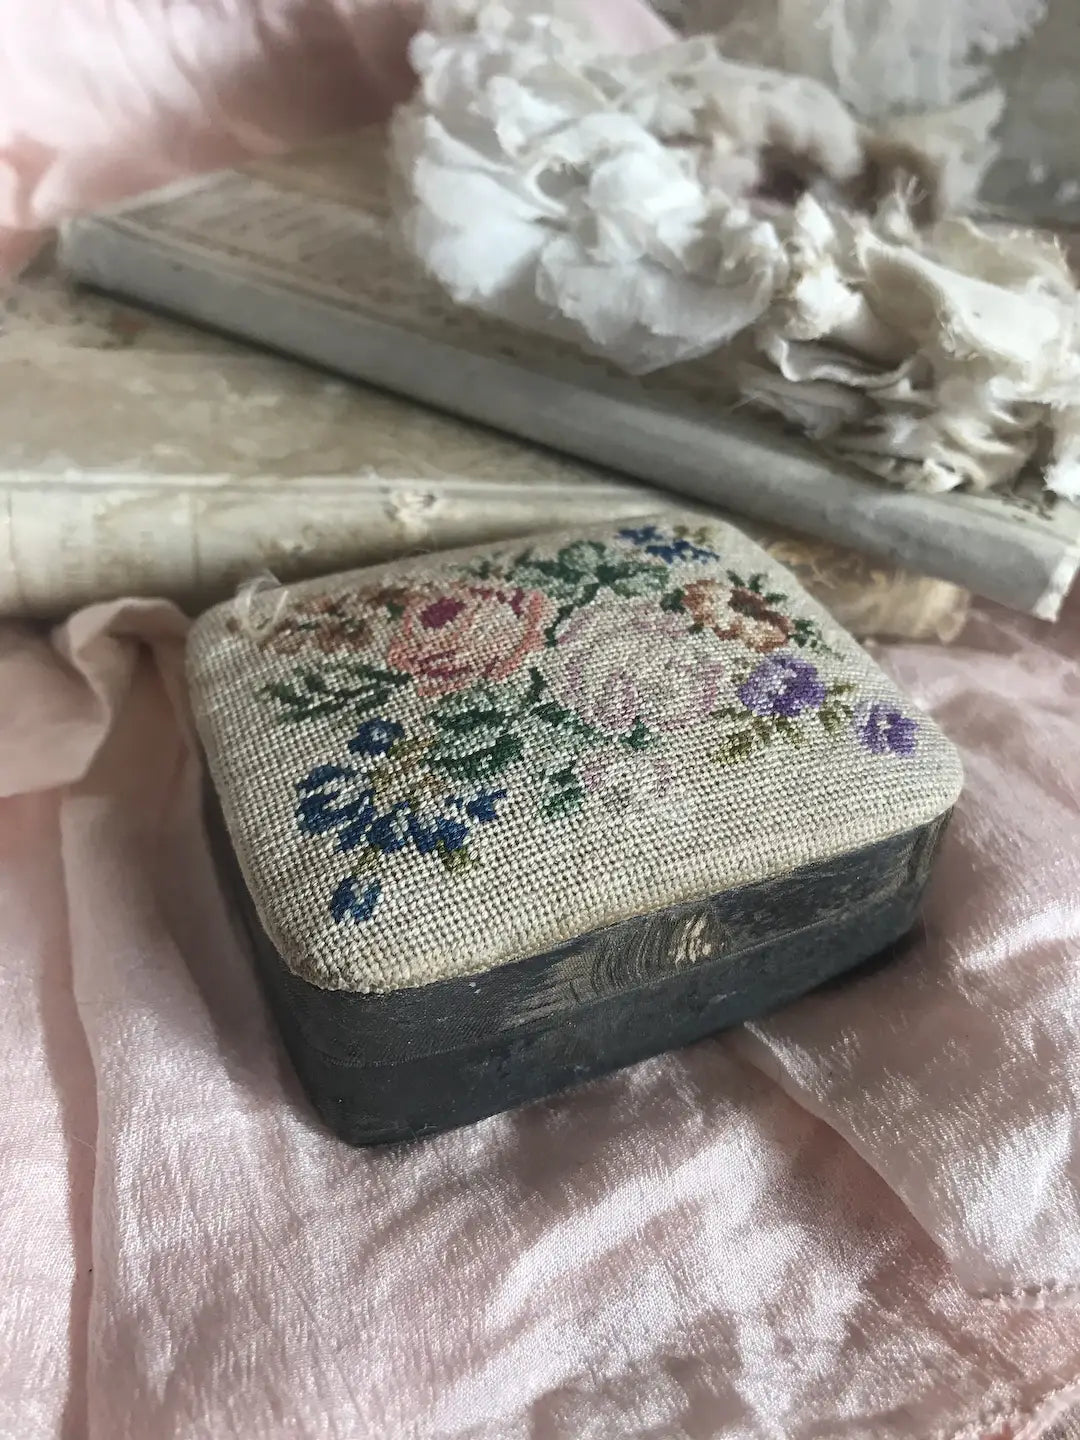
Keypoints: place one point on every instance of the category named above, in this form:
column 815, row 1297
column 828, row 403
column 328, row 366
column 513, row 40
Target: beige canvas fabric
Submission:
column 443, row 765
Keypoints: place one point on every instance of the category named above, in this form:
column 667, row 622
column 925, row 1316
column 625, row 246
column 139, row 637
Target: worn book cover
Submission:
column 300, row 255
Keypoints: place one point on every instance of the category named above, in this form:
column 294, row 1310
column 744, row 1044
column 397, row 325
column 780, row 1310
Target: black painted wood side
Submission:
column 384, row 1068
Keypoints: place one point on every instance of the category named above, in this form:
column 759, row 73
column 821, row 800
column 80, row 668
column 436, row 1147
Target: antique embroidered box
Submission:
column 503, row 819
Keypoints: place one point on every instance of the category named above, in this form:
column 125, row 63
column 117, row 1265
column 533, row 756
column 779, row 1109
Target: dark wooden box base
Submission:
column 384, row 1068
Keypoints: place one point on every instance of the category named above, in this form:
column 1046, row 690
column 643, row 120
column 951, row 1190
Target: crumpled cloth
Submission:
column 785, row 1231
column 668, row 204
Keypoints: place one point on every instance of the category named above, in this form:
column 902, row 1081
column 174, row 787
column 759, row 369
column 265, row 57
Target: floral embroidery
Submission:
column 382, row 811
column 785, row 692
column 449, row 638
column 329, row 622
column 375, row 737
column 782, row 687
column 546, row 681
column 669, row 548
column 737, row 614
column 883, row 728
column 664, row 677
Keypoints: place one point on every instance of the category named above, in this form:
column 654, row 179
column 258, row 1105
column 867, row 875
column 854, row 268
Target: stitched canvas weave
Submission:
column 443, row 765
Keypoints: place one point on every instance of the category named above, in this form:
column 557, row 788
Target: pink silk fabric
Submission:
column 789, row 1231
column 100, row 99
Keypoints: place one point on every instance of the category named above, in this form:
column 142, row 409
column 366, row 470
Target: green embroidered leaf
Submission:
column 553, row 714
column 640, row 737
column 729, row 712
column 586, row 594
column 536, row 687
column 842, row 687
column 562, row 576
column 633, row 578
column 476, row 736
column 578, row 572
column 483, row 569
column 355, row 689
column 736, row 747
column 455, row 861
column 754, row 583
column 469, row 721
column 565, row 793
column 764, row 731
column 365, row 860
column 835, row 716
column 789, row 730
column 807, row 635
column 702, row 536
column 830, row 718
column 554, row 733
column 582, row 555
column 483, row 763
column 673, row 600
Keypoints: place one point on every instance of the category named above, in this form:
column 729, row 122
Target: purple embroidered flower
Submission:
column 668, row 548
column 884, row 730
column 782, row 687
column 375, row 737
column 349, row 902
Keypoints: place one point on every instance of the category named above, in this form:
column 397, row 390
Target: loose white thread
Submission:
column 254, row 627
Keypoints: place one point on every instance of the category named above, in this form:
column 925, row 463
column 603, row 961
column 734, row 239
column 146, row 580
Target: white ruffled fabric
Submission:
column 935, row 359
column 880, row 56
column 637, row 205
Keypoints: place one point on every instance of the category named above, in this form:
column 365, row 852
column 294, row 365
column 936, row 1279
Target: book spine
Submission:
column 73, row 543
column 718, row 460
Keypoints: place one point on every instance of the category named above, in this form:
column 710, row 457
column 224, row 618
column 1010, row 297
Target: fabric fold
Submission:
column 678, row 1248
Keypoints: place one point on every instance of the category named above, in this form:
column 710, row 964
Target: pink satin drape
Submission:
column 100, row 99
column 787, row 1231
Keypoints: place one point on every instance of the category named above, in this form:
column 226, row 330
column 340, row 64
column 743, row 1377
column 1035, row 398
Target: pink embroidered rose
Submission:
column 617, row 664
column 738, row 614
column 449, row 638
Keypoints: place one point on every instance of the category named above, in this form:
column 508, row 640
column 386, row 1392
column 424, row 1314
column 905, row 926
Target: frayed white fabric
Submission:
column 637, row 205
column 597, row 197
column 940, row 359
column 904, row 55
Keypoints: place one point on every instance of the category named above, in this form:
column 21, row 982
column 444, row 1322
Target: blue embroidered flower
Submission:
column 668, row 548
column 782, row 687
column 442, row 832
column 336, row 797
column 884, row 730
column 452, row 833
column 481, row 807
column 349, row 902
column 321, row 776
column 390, row 832
column 375, row 737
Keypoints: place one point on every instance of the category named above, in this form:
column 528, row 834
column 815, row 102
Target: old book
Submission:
column 299, row 255
column 138, row 455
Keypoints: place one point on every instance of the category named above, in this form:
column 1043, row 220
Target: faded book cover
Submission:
column 138, row 455
column 300, row 255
